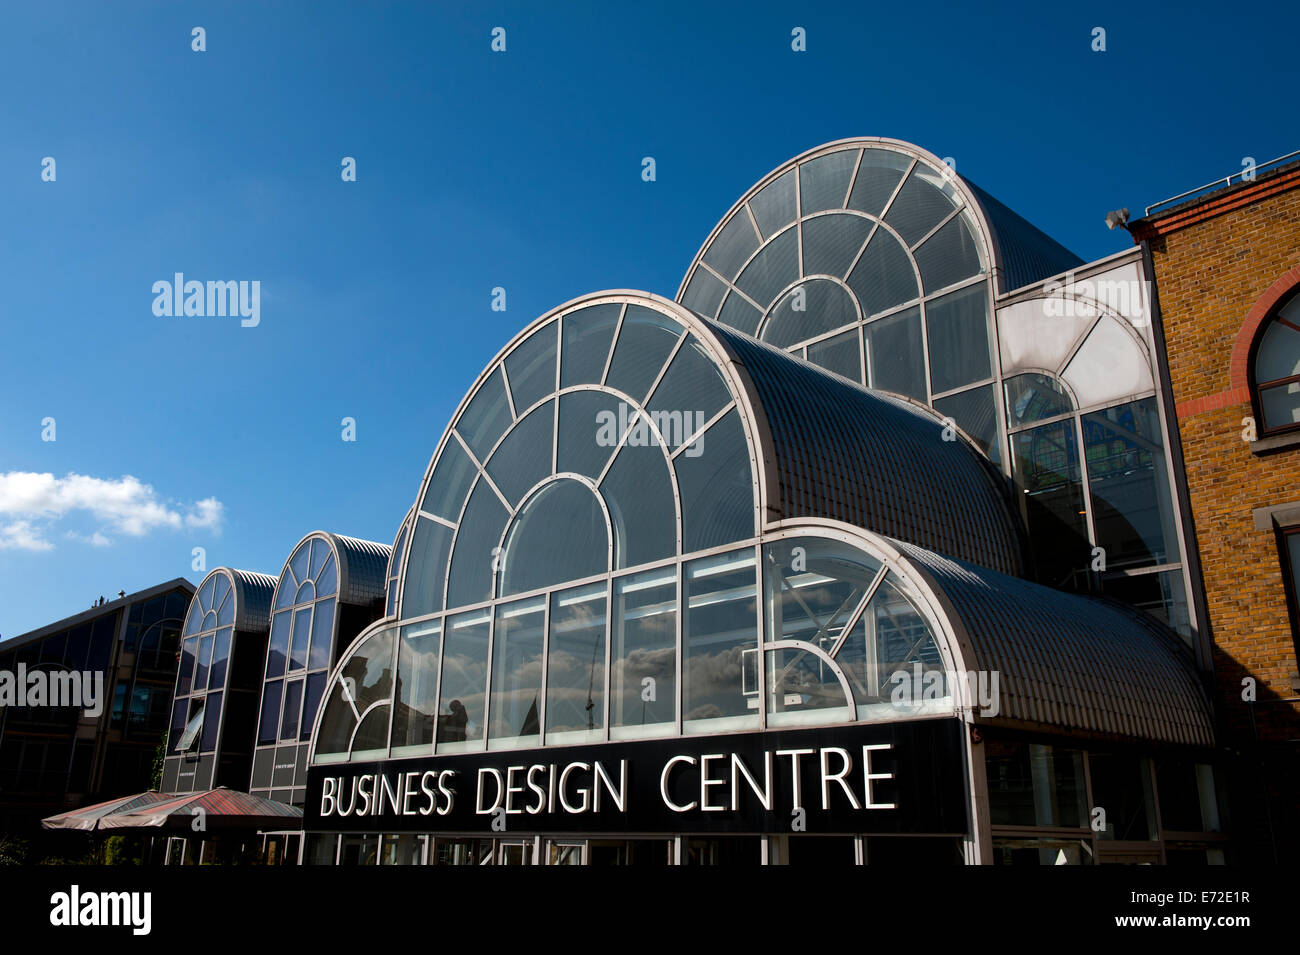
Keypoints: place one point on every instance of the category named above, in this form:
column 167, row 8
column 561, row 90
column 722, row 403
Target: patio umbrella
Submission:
column 90, row 818
column 220, row 808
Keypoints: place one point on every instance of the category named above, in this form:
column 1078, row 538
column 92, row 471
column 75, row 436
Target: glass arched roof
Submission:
column 606, row 437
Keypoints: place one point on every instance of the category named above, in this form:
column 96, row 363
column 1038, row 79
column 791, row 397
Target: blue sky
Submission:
column 475, row 169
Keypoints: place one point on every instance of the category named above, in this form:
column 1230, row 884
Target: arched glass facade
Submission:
column 205, row 655
column 869, row 260
column 684, row 651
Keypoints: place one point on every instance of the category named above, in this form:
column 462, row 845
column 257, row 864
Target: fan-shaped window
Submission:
column 561, row 533
column 1035, row 397
column 1276, row 371
column 643, row 415
column 874, row 269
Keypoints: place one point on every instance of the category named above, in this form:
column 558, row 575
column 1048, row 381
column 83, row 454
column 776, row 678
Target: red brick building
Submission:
column 1227, row 269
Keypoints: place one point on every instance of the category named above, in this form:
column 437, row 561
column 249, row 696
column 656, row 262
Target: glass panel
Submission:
column 774, row 206
column 575, row 671
column 776, row 267
column 204, row 661
column 193, row 620
column 948, row 256
column 975, row 414
column 226, row 610
column 812, row 587
column 327, row 582
column 450, row 482
column 704, row 292
column 270, row 721
column 278, row 653
column 895, row 356
column 559, row 535
column 188, row 651
column 831, row 243
column 802, row 689
column 211, row 723
column 883, row 277
column 220, row 654
column 720, row 633
column 1121, row 785
column 1109, row 364
column 301, row 637
column 1033, row 397
column 464, row 683
column 193, row 727
column 811, row 308
column 588, row 334
column 322, row 635
column 644, row 342
column 583, row 446
column 824, row 181
column 841, row 354
column 524, row 457
column 300, row 563
column 921, row 204
column 472, row 563
column 639, row 494
column 1132, row 510
column 220, row 591
column 958, row 338
column 531, row 368
column 179, row 709
column 417, row 685
column 879, row 173
column 306, row 592
column 1035, row 785
column 1045, row 467
column 426, row 568
column 643, row 680
column 691, row 392
column 1162, row 595
column 486, row 417
column 291, row 711
column 205, row 592
column 1280, row 406
column 892, row 660
column 1278, row 355
column 320, row 549
column 738, row 313
column 311, row 701
column 717, row 486
column 733, row 246
column 517, row 675
column 366, row 679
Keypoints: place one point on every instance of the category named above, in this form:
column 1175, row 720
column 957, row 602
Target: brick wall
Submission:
column 1213, row 262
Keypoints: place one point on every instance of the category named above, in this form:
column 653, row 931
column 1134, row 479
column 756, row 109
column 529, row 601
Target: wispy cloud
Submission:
column 31, row 503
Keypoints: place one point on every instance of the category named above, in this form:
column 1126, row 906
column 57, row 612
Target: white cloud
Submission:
column 21, row 535
column 126, row 505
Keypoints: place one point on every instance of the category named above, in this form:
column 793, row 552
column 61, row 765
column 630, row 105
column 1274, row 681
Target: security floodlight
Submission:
column 1118, row 217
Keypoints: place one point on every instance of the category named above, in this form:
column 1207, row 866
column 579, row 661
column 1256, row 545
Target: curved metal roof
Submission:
column 873, row 460
column 362, row 566
column 1025, row 254
column 253, row 593
column 1069, row 662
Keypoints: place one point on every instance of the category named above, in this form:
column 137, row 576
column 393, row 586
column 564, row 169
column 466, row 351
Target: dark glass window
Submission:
column 1276, row 370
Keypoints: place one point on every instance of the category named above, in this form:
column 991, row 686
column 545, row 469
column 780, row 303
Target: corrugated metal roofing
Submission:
column 253, row 593
column 1025, row 254
column 1076, row 663
column 875, row 461
column 363, row 569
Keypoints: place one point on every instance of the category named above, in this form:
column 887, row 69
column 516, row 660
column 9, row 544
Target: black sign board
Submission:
column 881, row 778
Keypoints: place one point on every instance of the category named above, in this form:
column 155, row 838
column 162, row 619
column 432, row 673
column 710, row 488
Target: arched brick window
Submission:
column 1266, row 356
